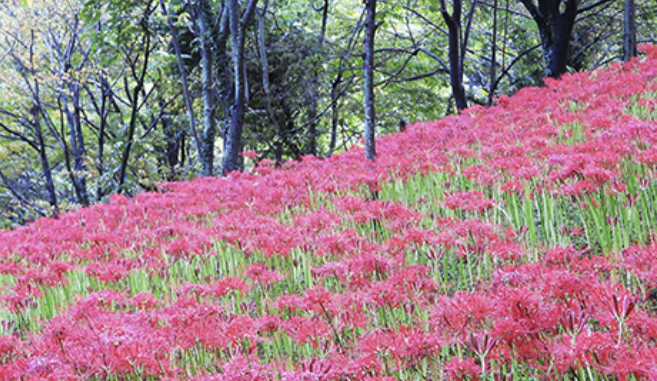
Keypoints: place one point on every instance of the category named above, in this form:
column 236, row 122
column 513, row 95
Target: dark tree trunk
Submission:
column 105, row 93
column 456, row 56
column 171, row 146
column 233, row 143
column 493, row 57
column 370, row 112
column 312, row 126
column 73, row 111
column 629, row 35
column 37, row 111
column 77, row 146
column 45, row 165
column 335, row 113
column 555, row 27
column 140, row 79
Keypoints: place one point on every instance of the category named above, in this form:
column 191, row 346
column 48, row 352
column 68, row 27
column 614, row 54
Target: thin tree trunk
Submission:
column 322, row 31
column 78, row 151
column 104, row 94
column 132, row 126
column 75, row 126
column 370, row 112
column 45, row 165
column 70, row 90
column 183, row 73
column 312, row 111
column 453, row 22
column 493, row 57
column 266, row 87
column 36, row 115
column 207, row 62
column 629, row 35
column 233, row 144
column 223, row 81
column 335, row 114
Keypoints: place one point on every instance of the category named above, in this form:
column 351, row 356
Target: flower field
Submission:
column 510, row 243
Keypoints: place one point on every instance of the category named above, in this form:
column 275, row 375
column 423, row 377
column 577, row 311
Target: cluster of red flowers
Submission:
column 296, row 274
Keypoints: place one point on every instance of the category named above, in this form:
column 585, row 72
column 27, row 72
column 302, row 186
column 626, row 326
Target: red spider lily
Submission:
column 461, row 369
column 621, row 302
column 261, row 274
column 481, row 344
column 573, row 322
column 631, row 199
column 304, row 330
column 249, row 154
column 472, row 200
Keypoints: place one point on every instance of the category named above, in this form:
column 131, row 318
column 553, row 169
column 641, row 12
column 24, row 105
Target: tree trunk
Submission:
column 233, row 143
column 312, row 111
column 453, row 22
column 36, row 115
column 264, row 62
column 183, row 73
column 493, row 57
column 45, row 165
column 556, row 28
column 103, row 113
column 312, row 116
column 77, row 146
column 335, row 113
column 134, row 108
column 370, row 112
column 204, row 13
column 223, row 81
column 629, row 35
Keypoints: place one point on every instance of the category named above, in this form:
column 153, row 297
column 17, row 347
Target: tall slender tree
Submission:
column 205, row 16
column 370, row 112
column 232, row 160
column 457, row 48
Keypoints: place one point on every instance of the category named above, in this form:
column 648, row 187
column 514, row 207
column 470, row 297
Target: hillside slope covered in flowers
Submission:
column 512, row 242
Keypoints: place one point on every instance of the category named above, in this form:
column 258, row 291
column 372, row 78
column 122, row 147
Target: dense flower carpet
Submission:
column 515, row 242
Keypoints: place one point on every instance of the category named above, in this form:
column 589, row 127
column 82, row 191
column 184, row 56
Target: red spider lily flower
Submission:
column 250, row 154
column 259, row 273
column 7, row 346
column 481, row 344
column 573, row 321
column 631, row 199
column 471, row 200
column 621, row 302
column 462, row 368
column 144, row 301
column 304, row 330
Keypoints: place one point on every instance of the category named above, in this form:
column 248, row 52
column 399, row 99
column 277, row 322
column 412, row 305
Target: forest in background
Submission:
column 116, row 96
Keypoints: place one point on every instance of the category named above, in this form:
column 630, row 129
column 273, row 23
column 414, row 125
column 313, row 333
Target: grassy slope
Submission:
column 510, row 240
